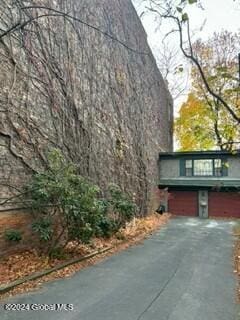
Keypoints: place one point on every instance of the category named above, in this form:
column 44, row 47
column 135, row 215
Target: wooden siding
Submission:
column 184, row 203
column 224, row 204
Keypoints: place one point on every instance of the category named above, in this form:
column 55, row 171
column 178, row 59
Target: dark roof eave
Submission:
column 178, row 154
column 200, row 183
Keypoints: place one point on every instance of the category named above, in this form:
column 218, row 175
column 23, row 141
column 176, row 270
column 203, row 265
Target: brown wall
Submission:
column 18, row 221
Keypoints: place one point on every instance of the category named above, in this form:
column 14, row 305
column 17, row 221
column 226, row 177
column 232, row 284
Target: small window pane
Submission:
column 218, row 172
column 188, row 172
column 203, row 167
column 218, row 167
column 217, row 163
column 188, row 168
column 188, row 163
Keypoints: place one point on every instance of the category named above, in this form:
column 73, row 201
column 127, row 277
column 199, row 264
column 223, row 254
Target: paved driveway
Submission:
column 182, row 272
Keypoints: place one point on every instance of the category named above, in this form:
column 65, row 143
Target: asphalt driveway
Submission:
column 182, row 272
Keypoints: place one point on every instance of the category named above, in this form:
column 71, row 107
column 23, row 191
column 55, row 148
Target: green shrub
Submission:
column 106, row 227
column 68, row 207
column 117, row 210
column 59, row 194
column 13, row 235
column 43, row 226
column 121, row 205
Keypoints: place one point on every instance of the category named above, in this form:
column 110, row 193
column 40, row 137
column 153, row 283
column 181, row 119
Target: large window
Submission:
column 203, row 167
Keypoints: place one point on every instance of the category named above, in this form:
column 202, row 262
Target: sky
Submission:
column 216, row 15
column 219, row 14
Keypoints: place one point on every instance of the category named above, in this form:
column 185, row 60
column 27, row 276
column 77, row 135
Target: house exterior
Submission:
column 201, row 183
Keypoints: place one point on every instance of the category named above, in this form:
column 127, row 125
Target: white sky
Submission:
column 220, row 14
column 217, row 15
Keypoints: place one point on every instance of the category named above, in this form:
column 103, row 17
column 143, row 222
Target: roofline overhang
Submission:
column 208, row 183
column 198, row 154
column 197, row 188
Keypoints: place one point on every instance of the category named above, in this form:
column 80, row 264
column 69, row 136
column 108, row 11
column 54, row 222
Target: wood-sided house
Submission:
column 201, row 183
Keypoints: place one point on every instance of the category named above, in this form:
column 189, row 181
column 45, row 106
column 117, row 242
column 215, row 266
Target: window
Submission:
column 218, row 167
column 203, row 167
column 188, row 168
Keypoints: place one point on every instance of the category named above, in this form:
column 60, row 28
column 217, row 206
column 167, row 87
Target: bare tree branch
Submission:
column 57, row 13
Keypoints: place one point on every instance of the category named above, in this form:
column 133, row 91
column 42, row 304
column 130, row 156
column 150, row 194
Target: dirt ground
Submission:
column 17, row 266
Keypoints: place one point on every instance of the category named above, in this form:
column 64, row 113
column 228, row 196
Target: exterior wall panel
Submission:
column 234, row 167
column 169, row 168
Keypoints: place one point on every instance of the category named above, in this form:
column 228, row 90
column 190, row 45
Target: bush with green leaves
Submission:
column 120, row 205
column 43, row 226
column 65, row 204
column 106, row 227
column 117, row 210
column 68, row 207
column 13, row 235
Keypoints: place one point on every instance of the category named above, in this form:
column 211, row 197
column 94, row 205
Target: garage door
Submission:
column 224, row 204
column 184, row 203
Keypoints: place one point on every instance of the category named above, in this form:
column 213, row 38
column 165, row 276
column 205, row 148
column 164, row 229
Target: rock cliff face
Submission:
column 84, row 82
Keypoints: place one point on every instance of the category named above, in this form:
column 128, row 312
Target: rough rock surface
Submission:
column 66, row 85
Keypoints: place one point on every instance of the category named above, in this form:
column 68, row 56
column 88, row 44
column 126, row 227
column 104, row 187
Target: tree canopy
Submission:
column 193, row 126
column 214, row 72
column 204, row 118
